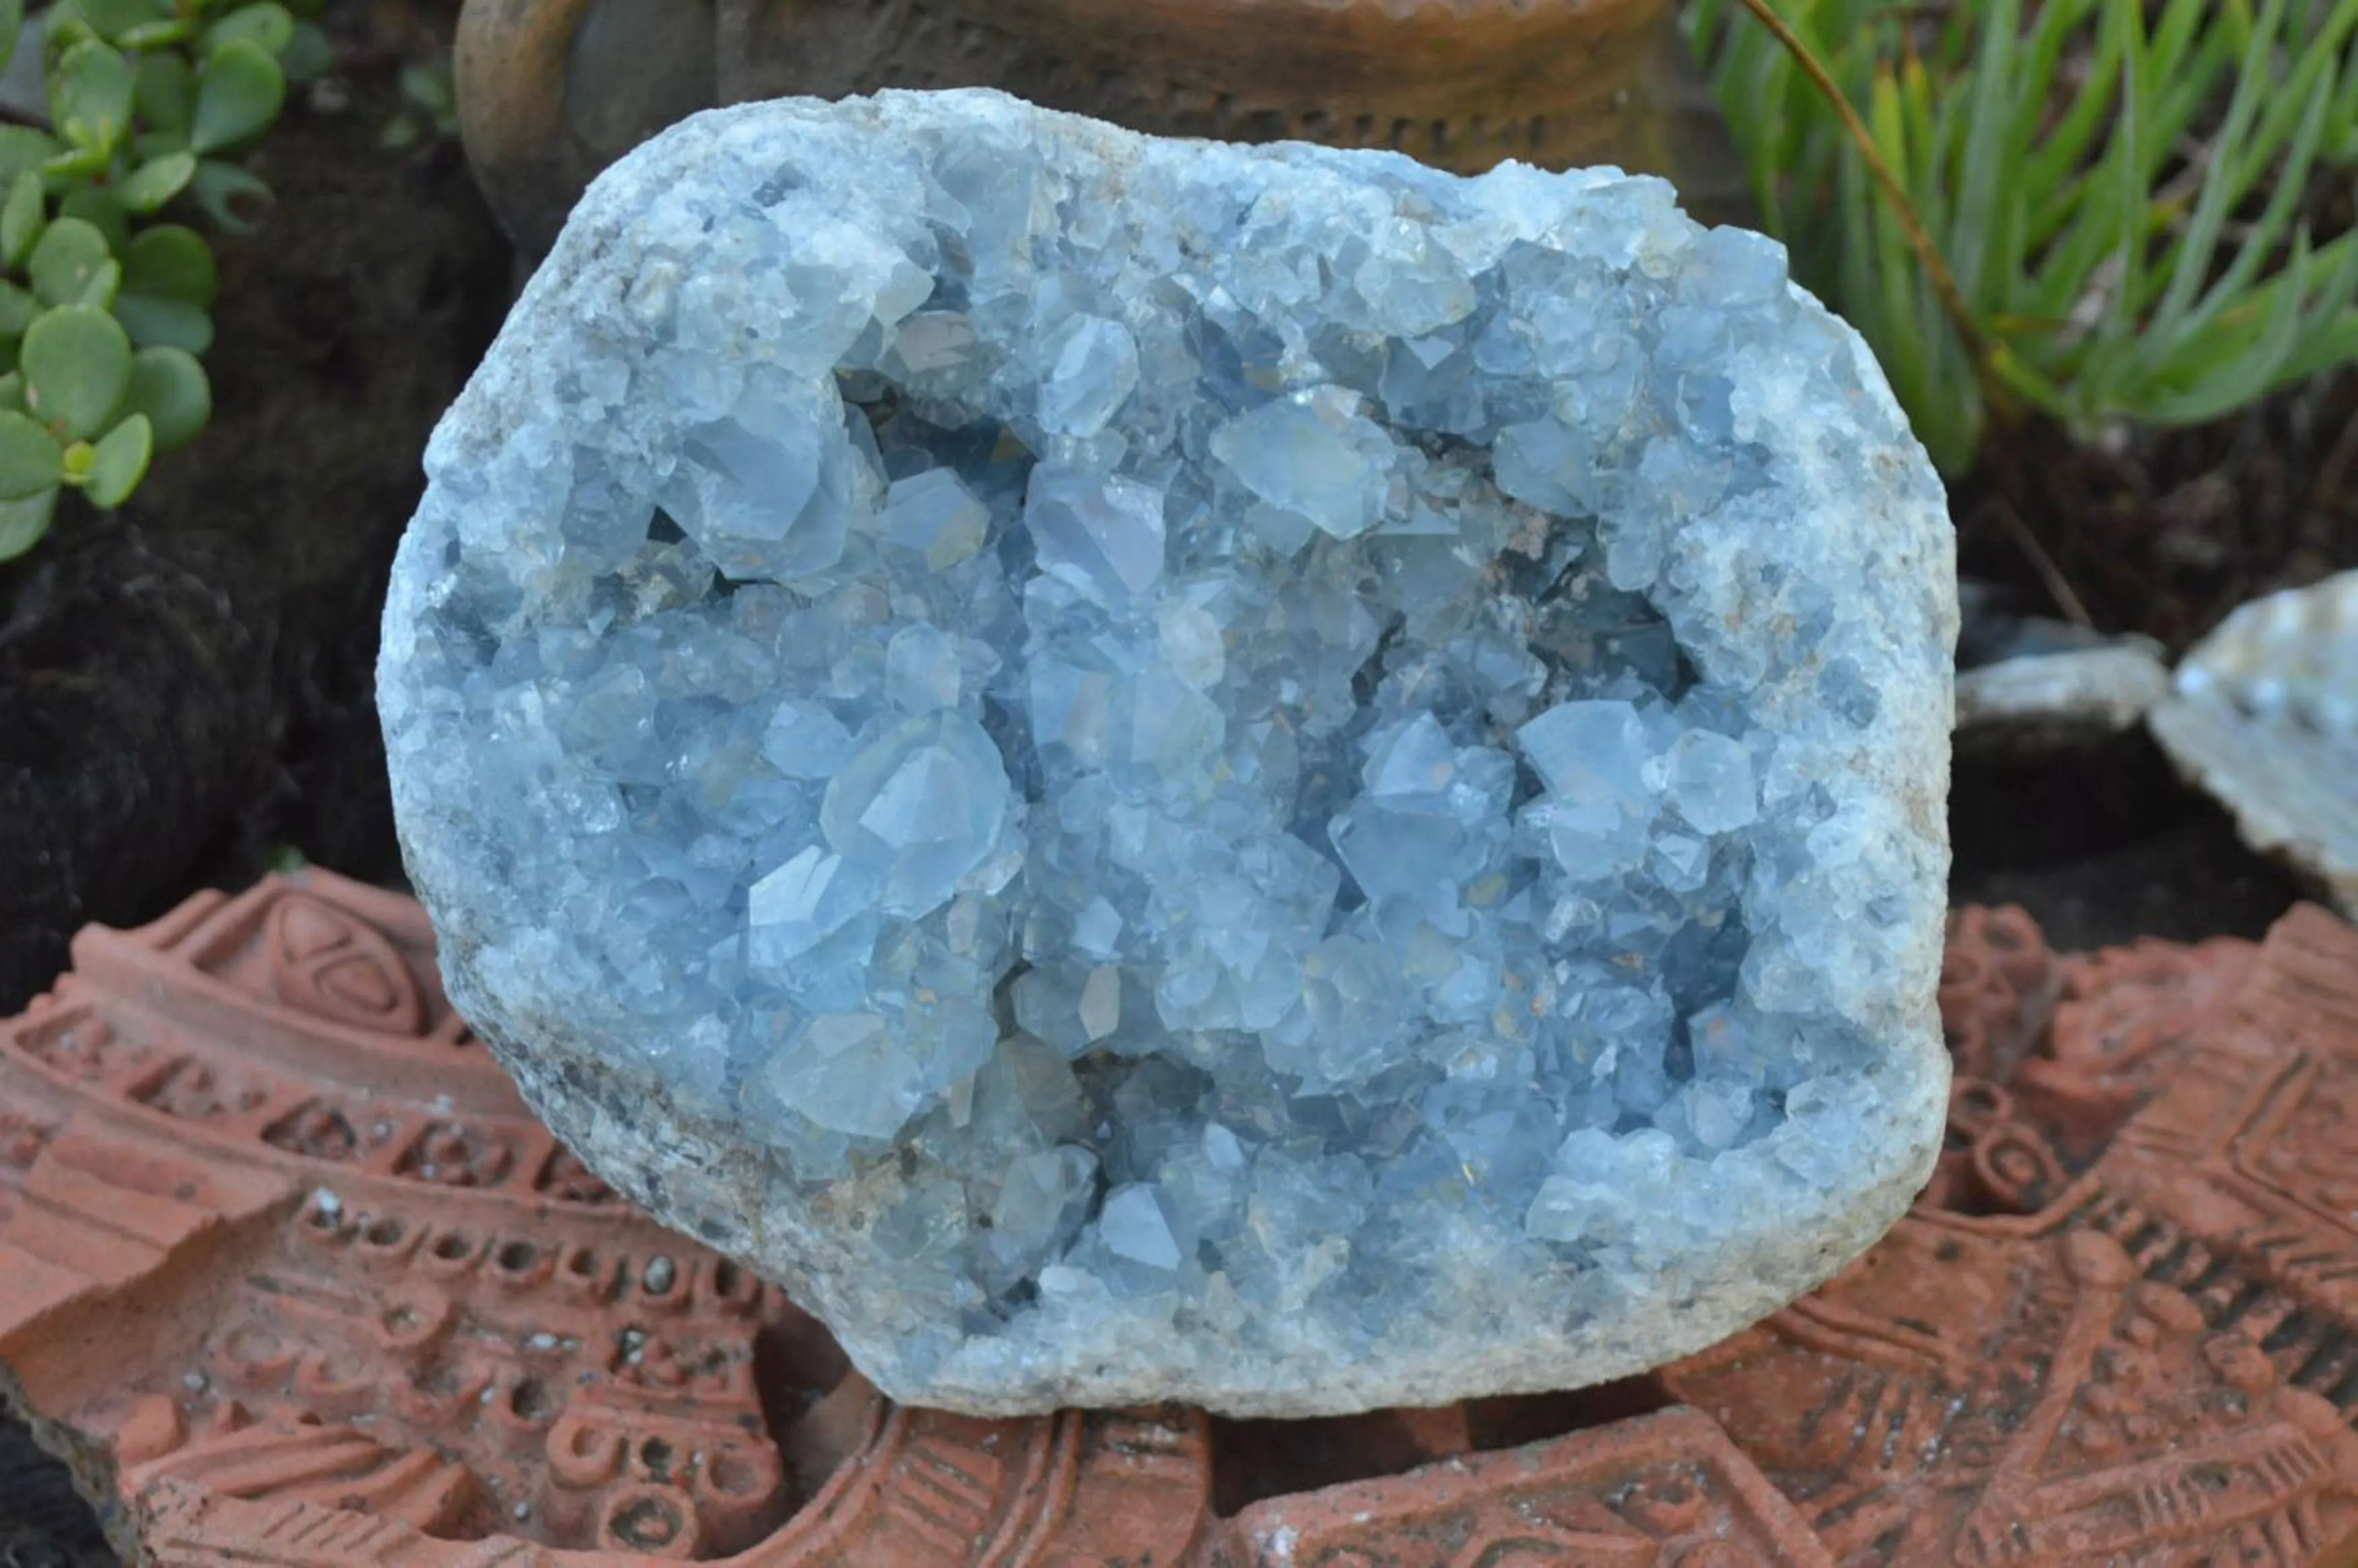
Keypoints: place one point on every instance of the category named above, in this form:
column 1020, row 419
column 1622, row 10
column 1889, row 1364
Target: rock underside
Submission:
column 1159, row 770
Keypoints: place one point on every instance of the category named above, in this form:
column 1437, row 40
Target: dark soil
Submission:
column 2105, row 846
column 2166, row 532
column 2161, row 532
column 44, row 1522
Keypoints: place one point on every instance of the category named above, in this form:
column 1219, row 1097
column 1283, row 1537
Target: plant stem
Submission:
column 1936, row 266
column 2059, row 586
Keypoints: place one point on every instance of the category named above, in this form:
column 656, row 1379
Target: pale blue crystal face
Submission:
column 1288, row 739
column 1100, row 534
column 1312, row 456
column 933, row 514
column 1095, row 370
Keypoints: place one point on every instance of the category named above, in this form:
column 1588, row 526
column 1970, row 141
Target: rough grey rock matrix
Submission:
column 2264, row 714
column 1149, row 770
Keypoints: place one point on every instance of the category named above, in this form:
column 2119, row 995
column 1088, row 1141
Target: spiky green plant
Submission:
column 2095, row 208
column 103, row 308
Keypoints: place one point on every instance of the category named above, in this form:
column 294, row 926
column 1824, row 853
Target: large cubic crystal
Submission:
column 1151, row 770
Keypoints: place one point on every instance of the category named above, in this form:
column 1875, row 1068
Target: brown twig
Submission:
column 2049, row 574
column 1928, row 255
column 2334, row 469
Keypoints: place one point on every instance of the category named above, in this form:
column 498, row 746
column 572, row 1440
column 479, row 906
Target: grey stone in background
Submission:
column 2028, row 687
column 2264, row 714
column 1151, row 770
column 2032, row 704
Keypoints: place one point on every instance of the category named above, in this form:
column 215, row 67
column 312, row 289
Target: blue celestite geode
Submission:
column 1151, row 770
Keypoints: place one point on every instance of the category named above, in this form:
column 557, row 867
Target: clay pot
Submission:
column 552, row 90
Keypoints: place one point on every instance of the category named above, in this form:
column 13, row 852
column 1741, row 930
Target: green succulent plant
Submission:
column 105, row 307
column 430, row 106
column 2095, row 208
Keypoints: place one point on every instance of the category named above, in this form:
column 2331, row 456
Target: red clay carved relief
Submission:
column 286, row 1262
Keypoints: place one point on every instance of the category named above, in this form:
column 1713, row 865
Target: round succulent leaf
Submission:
column 239, row 92
column 73, row 164
column 172, row 261
column 157, row 181
column 427, row 85
column 23, row 148
column 17, row 310
column 114, row 18
column 103, row 286
column 307, row 56
column 30, row 462
column 63, row 26
column 90, row 95
column 22, row 218
column 157, row 35
column 168, row 386
column 22, row 522
column 12, row 27
column 102, row 210
column 74, row 463
column 164, row 90
column 154, row 322
column 266, row 24
column 120, row 462
column 67, row 254
column 77, row 363
column 148, row 146
column 225, row 191
column 11, row 392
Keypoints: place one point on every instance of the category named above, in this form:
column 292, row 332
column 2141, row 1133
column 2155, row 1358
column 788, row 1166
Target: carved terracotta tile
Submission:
column 2118, row 1329
column 288, row 1268
column 1664, row 1488
column 2054, row 1052
column 1968, row 1395
column 279, row 1231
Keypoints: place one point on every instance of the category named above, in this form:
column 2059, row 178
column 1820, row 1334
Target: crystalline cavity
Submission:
column 1125, row 763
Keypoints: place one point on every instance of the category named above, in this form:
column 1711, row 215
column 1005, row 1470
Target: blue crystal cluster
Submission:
column 1148, row 769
